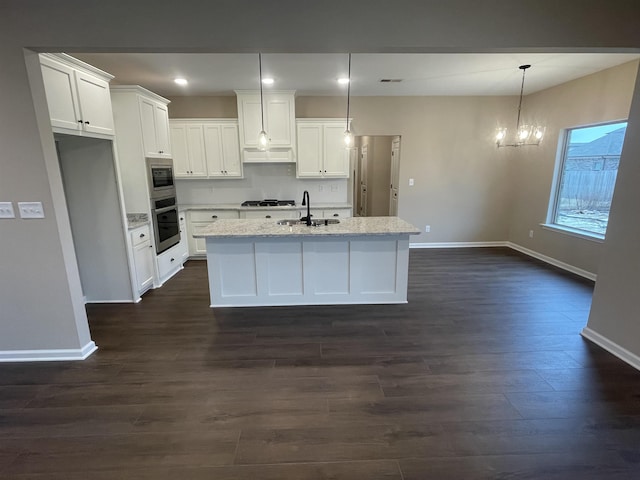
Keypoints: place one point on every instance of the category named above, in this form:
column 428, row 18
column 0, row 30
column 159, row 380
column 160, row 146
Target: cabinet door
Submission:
column 195, row 145
column 213, row 149
column 95, row 104
column 310, row 150
column 161, row 117
column 149, row 135
column 180, row 150
column 250, row 115
column 62, row 99
column 336, row 155
column 278, row 119
column 143, row 260
column 231, row 150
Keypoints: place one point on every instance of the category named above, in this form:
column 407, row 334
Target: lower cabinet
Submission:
column 169, row 262
column 275, row 214
column 329, row 213
column 199, row 219
column 142, row 258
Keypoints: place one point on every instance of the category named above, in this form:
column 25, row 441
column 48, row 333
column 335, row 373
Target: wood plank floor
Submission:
column 482, row 375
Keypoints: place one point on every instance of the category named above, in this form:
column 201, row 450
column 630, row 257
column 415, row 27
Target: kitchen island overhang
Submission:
column 361, row 260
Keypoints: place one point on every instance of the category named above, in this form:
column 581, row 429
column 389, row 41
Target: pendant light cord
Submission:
column 348, row 93
column 524, row 70
column 261, row 100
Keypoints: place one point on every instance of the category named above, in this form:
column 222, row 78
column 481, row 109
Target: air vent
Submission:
column 391, row 80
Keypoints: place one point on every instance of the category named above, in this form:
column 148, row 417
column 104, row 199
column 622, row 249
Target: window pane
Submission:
column 588, row 177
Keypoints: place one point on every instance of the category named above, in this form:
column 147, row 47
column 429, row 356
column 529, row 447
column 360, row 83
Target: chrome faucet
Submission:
column 307, row 202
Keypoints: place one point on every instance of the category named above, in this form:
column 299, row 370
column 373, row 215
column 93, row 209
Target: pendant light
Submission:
column 348, row 136
column 525, row 135
column 263, row 138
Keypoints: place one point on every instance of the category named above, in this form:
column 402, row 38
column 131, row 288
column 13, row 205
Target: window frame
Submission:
column 556, row 184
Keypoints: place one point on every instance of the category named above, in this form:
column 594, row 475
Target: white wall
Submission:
column 37, row 257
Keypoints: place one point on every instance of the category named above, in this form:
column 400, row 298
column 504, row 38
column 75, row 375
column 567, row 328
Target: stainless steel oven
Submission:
column 166, row 224
column 161, row 180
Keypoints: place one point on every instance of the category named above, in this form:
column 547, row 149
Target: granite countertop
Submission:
column 135, row 220
column 237, row 206
column 355, row 226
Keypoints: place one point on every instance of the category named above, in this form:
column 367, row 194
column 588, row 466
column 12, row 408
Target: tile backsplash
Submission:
column 262, row 181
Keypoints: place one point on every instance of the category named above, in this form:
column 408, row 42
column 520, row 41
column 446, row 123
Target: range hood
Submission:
column 278, row 108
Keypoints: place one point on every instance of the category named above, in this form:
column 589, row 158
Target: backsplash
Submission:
column 261, row 181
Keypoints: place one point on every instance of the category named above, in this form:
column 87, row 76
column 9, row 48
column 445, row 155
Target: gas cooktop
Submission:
column 269, row 202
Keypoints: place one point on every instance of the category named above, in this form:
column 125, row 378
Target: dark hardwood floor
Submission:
column 482, row 375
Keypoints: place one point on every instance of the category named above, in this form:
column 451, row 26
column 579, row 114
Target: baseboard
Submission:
column 459, row 244
column 48, row 355
column 129, row 300
column 612, row 347
column 553, row 261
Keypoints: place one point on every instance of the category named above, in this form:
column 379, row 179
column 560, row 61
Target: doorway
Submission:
column 376, row 170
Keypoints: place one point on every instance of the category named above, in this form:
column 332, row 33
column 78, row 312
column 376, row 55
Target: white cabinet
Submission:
column 321, row 149
column 169, row 262
column 199, row 219
column 223, row 149
column 279, row 123
column 142, row 257
column 77, row 96
column 137, row 112
column 183, row 250
column 269, row 213
column 206, row 148
column 187, row 142
column 154, row 117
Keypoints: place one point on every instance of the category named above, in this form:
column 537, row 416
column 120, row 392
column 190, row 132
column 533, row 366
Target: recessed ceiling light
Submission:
column 181, row 81
column 268, row 81
column 343, row 81
column 390, row 80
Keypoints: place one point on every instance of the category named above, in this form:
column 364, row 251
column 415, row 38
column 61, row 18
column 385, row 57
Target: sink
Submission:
column 316, row 222
column 289, row 222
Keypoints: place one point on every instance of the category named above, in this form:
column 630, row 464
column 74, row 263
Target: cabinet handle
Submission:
column 87, row 123
column 173, row 259
column 336, row 214
column 214, row 216
column 142, row 235
column 267, row 216
column 79, row 121
column 181, row 218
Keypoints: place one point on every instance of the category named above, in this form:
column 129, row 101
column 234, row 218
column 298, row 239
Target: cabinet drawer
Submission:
column 169, row 261
column 140, row 235
column 337, row 212
column 211, row 215
column 279, row 214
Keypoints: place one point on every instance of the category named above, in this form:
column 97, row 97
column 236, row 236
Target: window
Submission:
column 586, row 177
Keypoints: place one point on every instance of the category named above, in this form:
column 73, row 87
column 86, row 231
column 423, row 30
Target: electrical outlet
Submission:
column 411, row 182
column 31, row 209
column 530, row 233
column 6, row 210
column 427, row 228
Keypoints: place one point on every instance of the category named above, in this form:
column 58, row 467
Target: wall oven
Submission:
column 161, row 180
column 166, row 225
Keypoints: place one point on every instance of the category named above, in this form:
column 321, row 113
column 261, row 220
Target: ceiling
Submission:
column 317, row 74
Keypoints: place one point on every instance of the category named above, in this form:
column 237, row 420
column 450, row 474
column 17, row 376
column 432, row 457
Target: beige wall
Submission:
column 40, row 285
column 601, row 97
column 203, row 107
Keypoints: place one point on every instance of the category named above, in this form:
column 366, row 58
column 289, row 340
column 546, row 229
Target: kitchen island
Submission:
column 258, row 262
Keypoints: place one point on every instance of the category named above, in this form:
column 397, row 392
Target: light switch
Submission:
column 411, row 182
column 31, row 209
column 6, row 210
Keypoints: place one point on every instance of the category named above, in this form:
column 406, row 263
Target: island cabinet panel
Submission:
column 307, row 270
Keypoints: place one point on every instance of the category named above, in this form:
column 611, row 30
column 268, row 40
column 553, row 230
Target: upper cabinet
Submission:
column 154, row 116
column 206, row 148
column 321, row 149
column 278, row 111
column 77, row 96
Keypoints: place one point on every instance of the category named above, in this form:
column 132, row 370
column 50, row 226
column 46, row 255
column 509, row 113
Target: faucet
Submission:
column 307, row 202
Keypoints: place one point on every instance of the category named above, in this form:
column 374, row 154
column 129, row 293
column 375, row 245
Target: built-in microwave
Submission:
column 161, row 180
